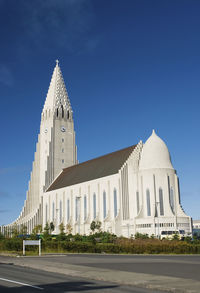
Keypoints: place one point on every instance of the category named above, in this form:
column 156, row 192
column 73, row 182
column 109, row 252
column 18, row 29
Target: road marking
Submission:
column 19, row 283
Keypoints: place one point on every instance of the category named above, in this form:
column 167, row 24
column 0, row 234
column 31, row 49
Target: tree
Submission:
column 23, row 231
column 61, row 235
column 61, row 228
column 141, row 236
column 98, row 226
column 69, row 228
column 46, row 235
column 15, row 231
column 95, row 225
column 52, row 227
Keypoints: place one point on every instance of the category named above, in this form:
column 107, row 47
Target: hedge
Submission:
column 120, row 246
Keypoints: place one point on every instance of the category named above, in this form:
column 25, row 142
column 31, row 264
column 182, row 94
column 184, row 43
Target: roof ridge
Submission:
column 132, row 146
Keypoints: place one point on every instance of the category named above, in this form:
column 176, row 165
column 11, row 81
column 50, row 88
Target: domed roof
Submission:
column 155, row 154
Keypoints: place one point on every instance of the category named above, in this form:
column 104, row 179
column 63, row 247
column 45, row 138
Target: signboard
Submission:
column 32, row 242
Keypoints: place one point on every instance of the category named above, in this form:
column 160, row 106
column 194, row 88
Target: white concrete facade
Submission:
column 142, row 195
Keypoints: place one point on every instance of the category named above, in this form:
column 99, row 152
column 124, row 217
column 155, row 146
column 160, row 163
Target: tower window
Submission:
column 62, row 139
column 62, row 150
column 62, row 161
column 62, row 111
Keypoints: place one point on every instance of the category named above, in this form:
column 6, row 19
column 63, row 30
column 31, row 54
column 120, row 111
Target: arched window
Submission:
column 76, row 211
column 161, row 202
column 68, row 210
column 115, row 202
column 138, row 201
column 171, row 199
column 104, row 205
column 60, row 211
column 46, row 213
column 53, row 211
column 148, row 203
column 85, row 207
column 94, row 206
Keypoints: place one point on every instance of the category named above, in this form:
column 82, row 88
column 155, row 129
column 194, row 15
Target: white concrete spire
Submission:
column 57, row 96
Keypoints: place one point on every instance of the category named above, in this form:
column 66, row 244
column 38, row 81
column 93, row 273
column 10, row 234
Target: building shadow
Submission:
column 58, row 287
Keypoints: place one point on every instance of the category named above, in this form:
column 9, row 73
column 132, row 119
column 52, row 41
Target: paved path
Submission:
column 169, row 273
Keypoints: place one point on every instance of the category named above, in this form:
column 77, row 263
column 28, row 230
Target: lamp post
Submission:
column 157, row 204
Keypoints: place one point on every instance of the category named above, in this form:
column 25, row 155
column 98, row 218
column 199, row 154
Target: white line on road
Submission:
column 19, row 283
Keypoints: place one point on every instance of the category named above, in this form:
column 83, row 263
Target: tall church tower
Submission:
column 57, row 136
column 55, row 149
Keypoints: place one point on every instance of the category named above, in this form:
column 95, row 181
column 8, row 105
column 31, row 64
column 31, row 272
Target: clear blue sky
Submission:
column 129, row 66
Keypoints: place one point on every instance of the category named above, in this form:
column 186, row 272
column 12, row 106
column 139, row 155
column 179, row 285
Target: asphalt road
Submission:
column 19, row 279
column 180, row 266
column 104, row 273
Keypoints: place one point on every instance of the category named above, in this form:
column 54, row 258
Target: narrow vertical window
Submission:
column 76, row 211
column 115, row 202
column 171, row 199
column 161, row 202
column 85, row 207
column 68, row 210
column 46, row 214
column 138, row 201
column 94, row 206
column 62, row 111
column 53, row 211
column 148, row 203
column 104, row 205
column 60, row 211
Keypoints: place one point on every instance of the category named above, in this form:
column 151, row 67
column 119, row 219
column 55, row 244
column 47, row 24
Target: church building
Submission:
column 135, row 189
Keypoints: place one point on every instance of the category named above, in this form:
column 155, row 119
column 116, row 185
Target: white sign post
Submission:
column 32, row 242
